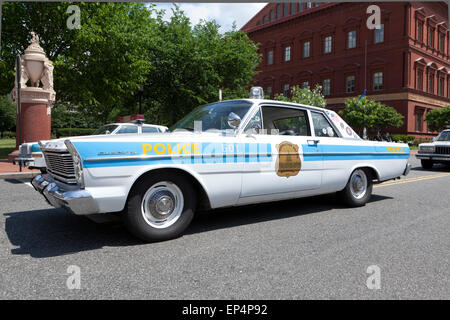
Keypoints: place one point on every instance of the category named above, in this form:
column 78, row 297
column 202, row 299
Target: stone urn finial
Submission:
column 35, row 66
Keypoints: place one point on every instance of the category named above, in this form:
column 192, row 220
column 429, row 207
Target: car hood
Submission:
column 185, row 136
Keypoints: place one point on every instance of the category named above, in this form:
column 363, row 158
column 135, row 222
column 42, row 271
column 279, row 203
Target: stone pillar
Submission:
column 36, row 101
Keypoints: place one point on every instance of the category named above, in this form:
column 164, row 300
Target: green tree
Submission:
column 375, row 116
column 7, row 113
column 305, row 96
column 100, row 67
column 438, row 119
column 192, row 63
column 96, row 66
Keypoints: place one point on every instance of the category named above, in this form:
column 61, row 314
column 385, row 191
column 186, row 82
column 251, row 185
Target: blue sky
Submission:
column 223, row 13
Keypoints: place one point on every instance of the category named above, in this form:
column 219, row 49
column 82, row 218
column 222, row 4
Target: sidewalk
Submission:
column 11, row 171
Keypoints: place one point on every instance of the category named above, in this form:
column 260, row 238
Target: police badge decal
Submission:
column 288, row 163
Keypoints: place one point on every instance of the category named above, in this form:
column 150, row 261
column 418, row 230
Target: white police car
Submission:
column 222, row 154
column 31, row 156
column 437, row 151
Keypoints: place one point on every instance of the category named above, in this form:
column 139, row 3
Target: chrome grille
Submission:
column 60, row 165
column 442, row 150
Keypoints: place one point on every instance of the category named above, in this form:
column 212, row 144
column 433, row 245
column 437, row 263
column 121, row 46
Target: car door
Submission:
column 280, row 135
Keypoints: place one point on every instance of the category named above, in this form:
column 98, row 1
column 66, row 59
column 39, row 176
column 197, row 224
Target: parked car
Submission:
column 245, row 151
column 437, row 151
column 31, row 156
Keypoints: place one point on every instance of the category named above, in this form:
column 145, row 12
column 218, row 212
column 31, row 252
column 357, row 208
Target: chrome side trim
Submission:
column 180, row 156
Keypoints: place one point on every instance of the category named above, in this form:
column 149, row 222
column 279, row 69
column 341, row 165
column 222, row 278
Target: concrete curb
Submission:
column 18, row 175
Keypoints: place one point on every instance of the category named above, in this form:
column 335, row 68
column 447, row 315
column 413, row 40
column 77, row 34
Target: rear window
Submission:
column 127, row 129
column 149, row 129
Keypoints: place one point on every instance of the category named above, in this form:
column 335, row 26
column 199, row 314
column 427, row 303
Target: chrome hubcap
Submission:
column 358, row 184
column 162, row 204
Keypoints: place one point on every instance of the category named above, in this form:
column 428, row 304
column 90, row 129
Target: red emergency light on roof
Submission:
column 131, row 118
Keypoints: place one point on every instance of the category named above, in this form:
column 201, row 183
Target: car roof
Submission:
column 279, row 103
column 131, row 123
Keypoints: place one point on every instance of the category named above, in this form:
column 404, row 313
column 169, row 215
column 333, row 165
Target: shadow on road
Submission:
column 55, row 232
column 438, row 167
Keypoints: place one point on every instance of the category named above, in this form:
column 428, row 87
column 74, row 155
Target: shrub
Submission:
column 402, row 138
column 8, row 135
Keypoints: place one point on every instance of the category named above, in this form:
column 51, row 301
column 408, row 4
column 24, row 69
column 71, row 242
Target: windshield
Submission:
column 444, row 136
column 213, row 116
column 107, row 129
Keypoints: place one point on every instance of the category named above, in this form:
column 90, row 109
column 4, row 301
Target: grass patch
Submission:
column 6, row 147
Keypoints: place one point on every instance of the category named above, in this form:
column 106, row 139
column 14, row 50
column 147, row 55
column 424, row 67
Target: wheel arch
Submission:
column 370, row 168
column 203, row 201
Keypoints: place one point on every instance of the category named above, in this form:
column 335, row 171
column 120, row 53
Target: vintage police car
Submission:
column 437, row 151
column 30, row 155
column 223, row 154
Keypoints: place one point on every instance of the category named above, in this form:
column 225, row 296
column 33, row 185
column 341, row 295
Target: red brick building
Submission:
column 404, row 64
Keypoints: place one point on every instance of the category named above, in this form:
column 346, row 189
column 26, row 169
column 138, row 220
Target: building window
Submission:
column 270, row 57
column 305, row 84
column 441, row 86
column 378, row 81
column 431, row 37
column 272, row 16
column 351, row 39
column 441, row 42
column 293, row 7
column 258, row 22
column 419, row 31
column 419, row 120
column 300, row 7
column 269, row 92
column 328, row 44
column 350, row 84
column 326, row 87
column 286, row 9
column 265, row 19
column 308, row 5
column 286, row 90
column 431, row 83
column 306, row 49
column 379, row 34
column 278, row 11
column 316, row 4
column 287, row 53
column 419, row 79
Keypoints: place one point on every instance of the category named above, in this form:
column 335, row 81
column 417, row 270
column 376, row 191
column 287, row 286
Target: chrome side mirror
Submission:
column 433, row 139
column 108, row 132
column 234, row 120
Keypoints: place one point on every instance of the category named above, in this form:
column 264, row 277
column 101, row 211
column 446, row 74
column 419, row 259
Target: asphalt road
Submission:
column 301, row 249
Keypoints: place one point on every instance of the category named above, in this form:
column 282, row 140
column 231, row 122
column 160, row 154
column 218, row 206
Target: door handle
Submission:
column 313, row 142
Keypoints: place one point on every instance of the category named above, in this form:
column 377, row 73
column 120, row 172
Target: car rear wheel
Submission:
column 358, row 190
column 160, row 207
column 426, row 164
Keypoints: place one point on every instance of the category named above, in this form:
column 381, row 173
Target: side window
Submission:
column 127, row 129
column 149, row 129
column 322, row 128
column 285, row 121
column 255, row 124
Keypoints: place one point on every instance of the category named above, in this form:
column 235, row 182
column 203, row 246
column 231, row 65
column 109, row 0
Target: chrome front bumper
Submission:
column 407, row 169
column 78, row 201
column 433, row 156
column 24, row 162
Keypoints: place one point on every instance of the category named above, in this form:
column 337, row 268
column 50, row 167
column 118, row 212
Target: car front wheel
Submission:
column 426, row 164
column 160, row 207
column 358, row 190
